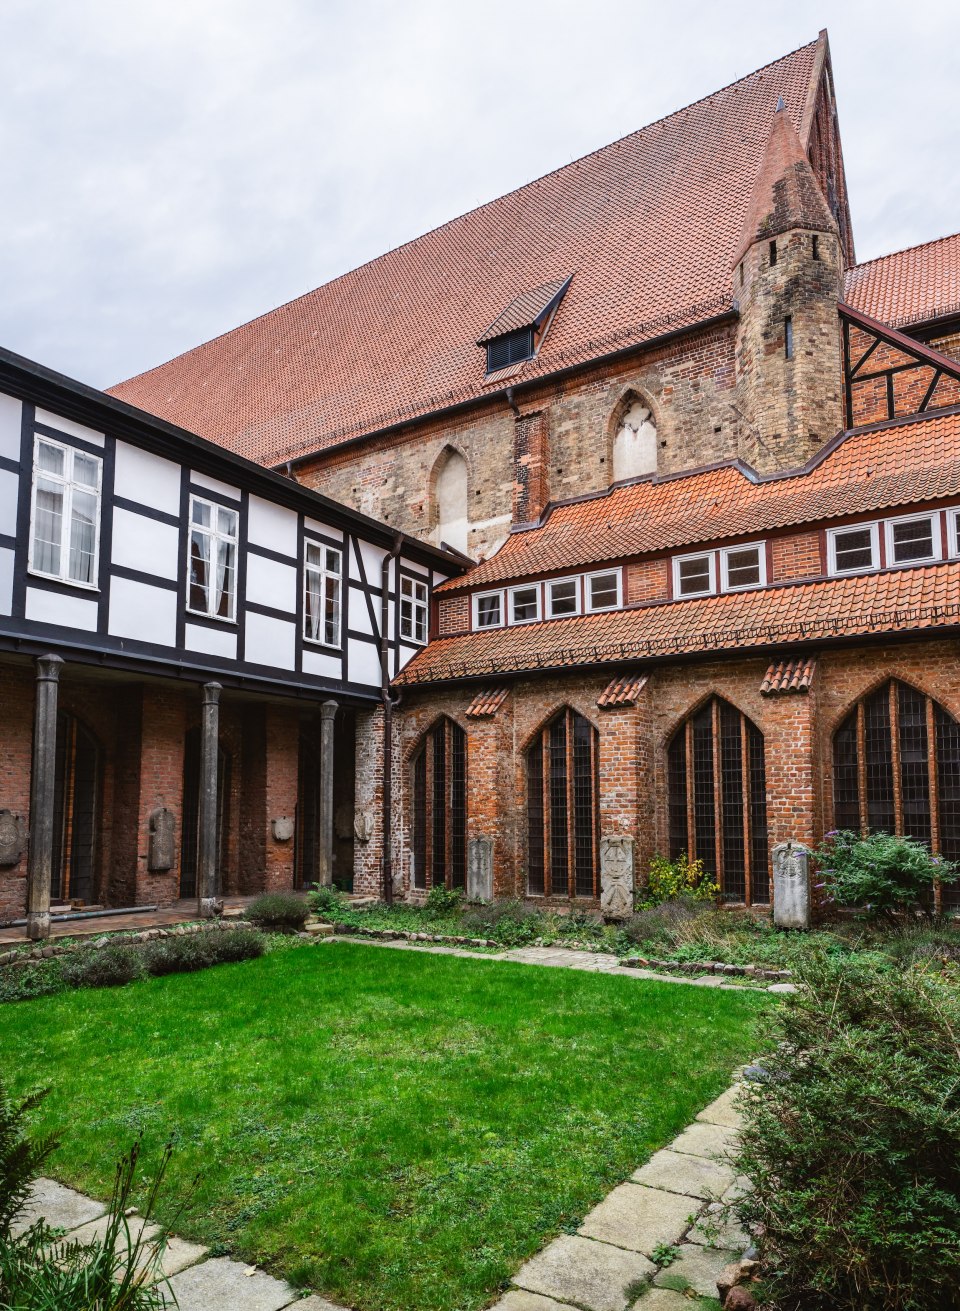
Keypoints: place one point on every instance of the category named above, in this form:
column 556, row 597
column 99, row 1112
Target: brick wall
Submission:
column 796, row 556
column 453, row 615
column 17, row 696
column 647, row 580
column 869, row 399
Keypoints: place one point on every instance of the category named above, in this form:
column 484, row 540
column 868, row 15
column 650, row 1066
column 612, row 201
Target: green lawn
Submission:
column 396, row 1130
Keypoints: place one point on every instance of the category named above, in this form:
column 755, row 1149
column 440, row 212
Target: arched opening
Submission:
column 896, row 769
column 450, row 483
column 717, row 798
column 563, row 828
column 440, row 808
column 190, row 835
column 75, row 813
column 634, row 440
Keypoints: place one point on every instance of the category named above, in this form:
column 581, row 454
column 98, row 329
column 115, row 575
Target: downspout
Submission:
column 389, row 702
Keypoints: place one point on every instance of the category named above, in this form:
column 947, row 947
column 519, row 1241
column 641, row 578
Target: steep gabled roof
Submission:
column 647, row 226
column 909, row 287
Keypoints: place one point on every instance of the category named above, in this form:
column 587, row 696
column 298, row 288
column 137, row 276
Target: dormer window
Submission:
column 517, row 332
column 512, row 348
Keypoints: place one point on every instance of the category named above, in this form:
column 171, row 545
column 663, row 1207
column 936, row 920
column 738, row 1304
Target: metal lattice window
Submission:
column 896, row 769
column 562, row 817
column 440, row 808
column 717, row 799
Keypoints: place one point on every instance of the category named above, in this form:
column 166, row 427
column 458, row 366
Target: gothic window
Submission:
column 635, row 441
column 451, row 494
column 440, row 808
column 563, row 827
column 717, row 799
column 896, row 769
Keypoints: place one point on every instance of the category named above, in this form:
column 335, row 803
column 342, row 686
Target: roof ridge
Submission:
column 892, row 254
column 440, row 227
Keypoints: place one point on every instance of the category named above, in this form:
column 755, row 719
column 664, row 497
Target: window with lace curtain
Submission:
column 212, row 560
column 322, row 581
column 65, row 513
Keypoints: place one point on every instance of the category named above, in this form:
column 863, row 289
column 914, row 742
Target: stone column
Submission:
column 208, row 873
column 325, row 855
column 42, row 786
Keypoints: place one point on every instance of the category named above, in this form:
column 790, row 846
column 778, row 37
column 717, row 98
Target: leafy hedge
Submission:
column 278, row 910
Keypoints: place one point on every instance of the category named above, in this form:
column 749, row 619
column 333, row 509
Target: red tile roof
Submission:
column 525, row 311
column 486, row 703
column 786, row 676
column 868, row 470
column 648, row 227
column 901, row 600
column 909, row 287
column 622, row 691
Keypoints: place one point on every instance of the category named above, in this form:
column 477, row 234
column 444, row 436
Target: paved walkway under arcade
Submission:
column 181, row 912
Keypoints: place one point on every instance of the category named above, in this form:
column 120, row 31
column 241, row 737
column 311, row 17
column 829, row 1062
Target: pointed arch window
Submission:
column 896, row 769
column 717, row 799
column 451, row 486
column 562, row 817
column 440, row 808
column 634, row 440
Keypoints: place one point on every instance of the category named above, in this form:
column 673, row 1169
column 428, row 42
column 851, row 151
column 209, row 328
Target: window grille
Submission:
column 440, row 808
column 896, row 769
column 717, row 808
column 562, row 815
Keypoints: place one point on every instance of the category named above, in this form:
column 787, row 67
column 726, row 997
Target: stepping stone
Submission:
column 664, row 1299
column 518, row 1299
column 710, row 1140
column 677, row 1172
column 177, row 1255
column 716, row 1227
column 639, row 1218
column 223, row 1285
column 588, row 1274
column 782, row 987
column 61, row 1207
column 700, row 1267
column 724, row 1110
column 98, row 1229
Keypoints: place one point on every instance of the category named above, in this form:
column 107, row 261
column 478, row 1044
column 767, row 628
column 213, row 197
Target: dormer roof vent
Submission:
column 515, row 334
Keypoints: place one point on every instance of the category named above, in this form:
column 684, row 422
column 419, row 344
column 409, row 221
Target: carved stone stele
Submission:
column 791, row 886
column 480, row 869
column 11, row 838
column 162, row 843
column 616, row 877
column 282, row 828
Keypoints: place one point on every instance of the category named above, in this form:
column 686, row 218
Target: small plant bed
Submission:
column 396, row 1131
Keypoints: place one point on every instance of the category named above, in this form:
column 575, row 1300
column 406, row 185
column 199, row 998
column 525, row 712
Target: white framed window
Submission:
column 563, row 597
column 953, row 532
column 853, row 550
column 212, row 560
column 525, row 604
column 65, row 513
column 414, row 614
column 488, row 610
column 323, row 593
column 742, row 567
column 603, row 590
column 695, row 575
column 913, row 539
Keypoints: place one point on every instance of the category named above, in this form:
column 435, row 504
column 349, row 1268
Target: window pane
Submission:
column 83, row 529
column 879, row 761
column 331, row 613
column 488, row 611
column 201, row 514
column 912, row 541
column 694, row 575
column 48, row 527
column 525, row 604
column 563, row 597
column 333, row 562
column 854, row 549
column 311, row 617
column 314, row 555
column 223, row 596
column 199, row 570
column 535, row 817
column 603, row 591
column 50, row 458
column 743, row 567
column 406, row 587
column 227, row 522
column 85, row 469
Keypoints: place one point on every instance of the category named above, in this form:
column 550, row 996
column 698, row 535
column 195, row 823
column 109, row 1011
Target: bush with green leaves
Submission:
column 181, row 954
column 279, row 910
column 670, row 880
column 884, row 875
column 103, row 967
column 39, row 978
column 325, row 899
column 852, row 1142
column 508, row 922
column 650, row 925
column 443, row 903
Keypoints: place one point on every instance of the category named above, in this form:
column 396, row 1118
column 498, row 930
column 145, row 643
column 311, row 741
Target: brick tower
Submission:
column 787, row 275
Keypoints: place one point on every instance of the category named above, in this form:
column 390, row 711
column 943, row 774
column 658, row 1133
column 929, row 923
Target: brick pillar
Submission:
column 327, row 766
column 369, row 797
column 530, row 467
column 208, row 873
column 42, row 786
column 790, row 769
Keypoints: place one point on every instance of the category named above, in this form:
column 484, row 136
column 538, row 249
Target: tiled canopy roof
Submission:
column 525, row 311
column 647, row 226
column 868, row 470
column 786, row 676
column 909, row 287
column 903, row 600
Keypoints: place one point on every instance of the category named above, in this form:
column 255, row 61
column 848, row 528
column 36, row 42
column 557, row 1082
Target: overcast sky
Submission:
column 172, row 168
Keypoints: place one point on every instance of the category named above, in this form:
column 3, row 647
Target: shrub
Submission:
column 659, row 923
column 103, row 967
column 882, row 874
column 231, row 945
column 852, row 1142
column 38, row 979
column 442, row 903
column 667, row 880
column 195, row 951
column 20, row 1157
column 325, row 899
column 279, row 910
column 508, row 922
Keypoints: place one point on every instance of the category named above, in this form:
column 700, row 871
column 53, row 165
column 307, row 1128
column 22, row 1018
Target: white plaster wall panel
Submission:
column 211, row 641
column 415, row 567
column 270, row 642
column 9, row 494
column 142, row 612
column 359, row 617
column 145, row 544
column 68, row 426
column 273, row 526
column 11, row 417
column 214, row 485
column 45, row 607
column 405, row 654
column 363, row 663
column 271, row 583
column 6, row 581
column 320, row 665
column 372, row 557
column 316, row 526
column 147, row 478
